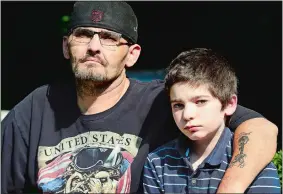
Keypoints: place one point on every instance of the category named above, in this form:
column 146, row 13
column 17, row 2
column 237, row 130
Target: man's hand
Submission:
column 255, row 142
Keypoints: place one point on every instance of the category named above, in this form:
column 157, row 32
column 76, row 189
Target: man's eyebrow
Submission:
column 83, row 29
column 89, row 30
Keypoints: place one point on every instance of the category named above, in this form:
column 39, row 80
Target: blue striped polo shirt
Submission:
column 168, row 170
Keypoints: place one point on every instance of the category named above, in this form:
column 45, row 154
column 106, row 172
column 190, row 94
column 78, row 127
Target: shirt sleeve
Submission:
column 151, row 181
column 241, row 115
column 266, row 182
column 13, row 156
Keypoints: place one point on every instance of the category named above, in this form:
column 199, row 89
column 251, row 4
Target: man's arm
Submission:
column 13, row 156
column 254, row 146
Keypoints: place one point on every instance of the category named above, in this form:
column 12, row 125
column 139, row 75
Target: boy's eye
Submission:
column 178, row 106
column 200, row 102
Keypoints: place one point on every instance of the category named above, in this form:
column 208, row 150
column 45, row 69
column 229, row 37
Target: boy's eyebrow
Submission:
column 175, row 100
column 193, row 98
column 201, row 96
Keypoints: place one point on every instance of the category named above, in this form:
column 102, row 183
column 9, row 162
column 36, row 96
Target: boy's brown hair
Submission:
column 203, row 66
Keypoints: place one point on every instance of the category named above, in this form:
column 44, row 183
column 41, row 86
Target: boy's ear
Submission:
column 231, row 106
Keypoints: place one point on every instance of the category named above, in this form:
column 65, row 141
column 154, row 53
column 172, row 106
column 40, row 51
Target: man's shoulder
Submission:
column 22, row 111
column 147, row 85
column 40, row 91
column 37, row 94
column 148, row 90
column 149, row 93
column 42, row 94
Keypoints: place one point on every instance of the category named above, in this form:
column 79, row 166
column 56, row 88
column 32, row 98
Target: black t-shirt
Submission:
column 49, row 146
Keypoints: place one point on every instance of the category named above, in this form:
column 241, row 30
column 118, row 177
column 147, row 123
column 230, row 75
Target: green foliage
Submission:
column 277, row 160
column 65, row 19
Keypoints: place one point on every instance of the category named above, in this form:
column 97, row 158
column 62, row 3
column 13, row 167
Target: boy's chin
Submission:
column 196, row 136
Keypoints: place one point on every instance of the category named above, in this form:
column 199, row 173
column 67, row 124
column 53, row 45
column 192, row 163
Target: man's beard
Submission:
column 89, row 82
column 88, row 88
column 88, row 74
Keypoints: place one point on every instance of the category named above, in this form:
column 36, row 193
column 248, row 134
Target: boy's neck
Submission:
column 202, row 148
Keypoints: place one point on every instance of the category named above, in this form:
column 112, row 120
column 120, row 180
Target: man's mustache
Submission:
column 91, row 58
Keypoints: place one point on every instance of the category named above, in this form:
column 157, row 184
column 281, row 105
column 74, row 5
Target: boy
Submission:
column 203, row 93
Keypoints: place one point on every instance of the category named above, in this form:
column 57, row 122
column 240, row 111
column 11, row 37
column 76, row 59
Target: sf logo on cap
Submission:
column 96, row 15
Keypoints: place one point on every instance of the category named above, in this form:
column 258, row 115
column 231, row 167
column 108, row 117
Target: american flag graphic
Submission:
column 54, row 169
column 124, row 183
column 50, row 177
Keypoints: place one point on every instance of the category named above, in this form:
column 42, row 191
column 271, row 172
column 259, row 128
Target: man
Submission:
column 93, row 134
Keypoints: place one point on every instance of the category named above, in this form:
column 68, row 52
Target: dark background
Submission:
column 248, row 34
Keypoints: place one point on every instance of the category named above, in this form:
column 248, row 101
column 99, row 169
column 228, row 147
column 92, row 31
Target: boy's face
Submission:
column 196, row 112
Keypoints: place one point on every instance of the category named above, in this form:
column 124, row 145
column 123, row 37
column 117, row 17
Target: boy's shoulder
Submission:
column 267, row 181
column 269, row 170
column 168, row 148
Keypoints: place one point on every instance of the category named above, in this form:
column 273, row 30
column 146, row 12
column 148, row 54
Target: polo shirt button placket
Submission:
column 194, row 181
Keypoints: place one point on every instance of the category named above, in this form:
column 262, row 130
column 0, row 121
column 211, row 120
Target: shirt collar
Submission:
column 217, row 154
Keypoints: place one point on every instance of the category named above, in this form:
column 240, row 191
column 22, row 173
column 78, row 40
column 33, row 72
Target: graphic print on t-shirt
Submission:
column 93, row 162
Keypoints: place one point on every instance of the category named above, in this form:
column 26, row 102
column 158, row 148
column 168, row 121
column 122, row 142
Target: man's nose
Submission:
column 94, row 44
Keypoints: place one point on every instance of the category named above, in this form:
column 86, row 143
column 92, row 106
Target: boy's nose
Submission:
column 189, row 112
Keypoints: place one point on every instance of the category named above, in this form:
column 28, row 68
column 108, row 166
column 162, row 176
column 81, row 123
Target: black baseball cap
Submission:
column 117, row 16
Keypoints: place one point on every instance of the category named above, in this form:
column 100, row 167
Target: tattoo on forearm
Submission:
column 242, row 140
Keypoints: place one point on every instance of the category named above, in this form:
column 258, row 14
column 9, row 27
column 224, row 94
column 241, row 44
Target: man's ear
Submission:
column 231, row 106
column 133, row 55
column 65, row 48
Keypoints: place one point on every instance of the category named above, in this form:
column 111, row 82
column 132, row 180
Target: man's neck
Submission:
column 94, row 98
column 202, row 148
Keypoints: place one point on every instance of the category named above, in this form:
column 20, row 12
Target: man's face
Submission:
column 196, row 112
column 94, row 61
